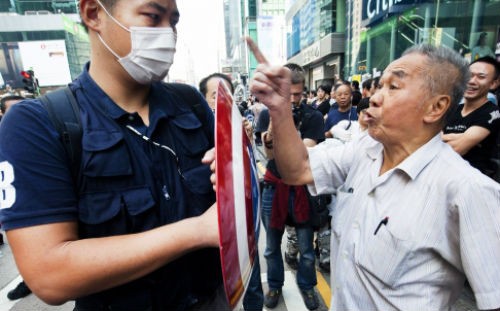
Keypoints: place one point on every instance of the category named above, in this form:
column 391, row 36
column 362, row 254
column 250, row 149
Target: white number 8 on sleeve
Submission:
column 7, row 190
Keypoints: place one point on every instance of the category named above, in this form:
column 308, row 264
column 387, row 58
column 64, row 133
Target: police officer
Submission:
column 137, row 228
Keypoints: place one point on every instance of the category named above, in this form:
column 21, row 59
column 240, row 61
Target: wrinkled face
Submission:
column 212, row 85
column 343, row 96
column 397, row 108
column 482, row 79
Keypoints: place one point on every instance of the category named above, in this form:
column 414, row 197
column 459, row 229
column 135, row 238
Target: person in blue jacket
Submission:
column 136, row 227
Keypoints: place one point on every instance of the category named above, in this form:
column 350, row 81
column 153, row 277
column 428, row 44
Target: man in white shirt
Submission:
column 412, row 219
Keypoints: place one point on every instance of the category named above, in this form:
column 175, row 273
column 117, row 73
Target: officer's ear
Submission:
column 90, row 11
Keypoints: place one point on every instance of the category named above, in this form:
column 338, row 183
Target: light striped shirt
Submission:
column 443, row 224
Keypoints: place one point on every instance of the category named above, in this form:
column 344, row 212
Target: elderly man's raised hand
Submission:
column 271, row 84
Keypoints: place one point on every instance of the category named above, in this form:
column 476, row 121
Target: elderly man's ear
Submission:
column 437, row 108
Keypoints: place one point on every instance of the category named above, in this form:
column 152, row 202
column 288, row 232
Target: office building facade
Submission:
column 385, row 28
column 50, row 27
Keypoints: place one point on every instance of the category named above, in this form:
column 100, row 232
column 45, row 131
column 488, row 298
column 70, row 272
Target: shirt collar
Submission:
column 416, row 161
column 97, row 96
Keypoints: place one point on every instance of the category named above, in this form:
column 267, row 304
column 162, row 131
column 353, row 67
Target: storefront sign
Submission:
column 312, row 53
column 376, row 9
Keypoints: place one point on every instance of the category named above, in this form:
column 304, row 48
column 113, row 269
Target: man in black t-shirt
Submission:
column 472, row 129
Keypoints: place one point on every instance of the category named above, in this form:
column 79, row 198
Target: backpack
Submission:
column 64, row 114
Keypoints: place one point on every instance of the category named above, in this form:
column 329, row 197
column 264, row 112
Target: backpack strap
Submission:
column 65, row 116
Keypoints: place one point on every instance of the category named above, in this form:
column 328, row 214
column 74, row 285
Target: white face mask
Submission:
column 152, row 52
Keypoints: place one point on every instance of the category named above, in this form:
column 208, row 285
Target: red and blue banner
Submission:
column 238, row 197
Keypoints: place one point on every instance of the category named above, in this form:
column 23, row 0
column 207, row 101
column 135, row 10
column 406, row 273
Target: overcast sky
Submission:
column 200, row 40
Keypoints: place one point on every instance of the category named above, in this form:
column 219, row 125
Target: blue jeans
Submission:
column 306, row 272
column 254, row 296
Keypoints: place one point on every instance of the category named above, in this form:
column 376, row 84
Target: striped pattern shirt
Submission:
column 443, row 225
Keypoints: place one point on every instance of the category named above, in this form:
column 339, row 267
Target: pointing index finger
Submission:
column 261, row 59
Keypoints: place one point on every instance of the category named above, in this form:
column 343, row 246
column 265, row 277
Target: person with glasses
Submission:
column 136, row 228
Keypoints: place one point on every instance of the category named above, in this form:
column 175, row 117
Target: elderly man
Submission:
column 412, row 219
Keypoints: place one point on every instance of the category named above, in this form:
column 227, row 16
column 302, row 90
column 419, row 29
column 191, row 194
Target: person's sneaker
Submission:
column 272, row 298
column 291, row 261
column 21, row 290
column 310, row 299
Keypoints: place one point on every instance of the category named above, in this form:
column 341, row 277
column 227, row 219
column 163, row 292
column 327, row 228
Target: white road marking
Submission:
column 5, row 303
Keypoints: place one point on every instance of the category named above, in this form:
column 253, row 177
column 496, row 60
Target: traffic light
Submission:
column 29, row 80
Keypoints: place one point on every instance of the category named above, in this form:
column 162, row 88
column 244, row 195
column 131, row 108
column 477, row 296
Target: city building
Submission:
column 386, row 28
column 44, row 36
column 261, row 20
column 316, row 38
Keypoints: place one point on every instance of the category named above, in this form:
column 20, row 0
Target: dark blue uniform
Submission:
column 125, row 185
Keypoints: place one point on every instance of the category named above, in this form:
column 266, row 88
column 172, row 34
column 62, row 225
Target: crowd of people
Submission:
column 468, row 120
column 412, row 218
column 393, row 177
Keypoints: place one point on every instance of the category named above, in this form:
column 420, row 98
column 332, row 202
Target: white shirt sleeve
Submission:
column 478, row 206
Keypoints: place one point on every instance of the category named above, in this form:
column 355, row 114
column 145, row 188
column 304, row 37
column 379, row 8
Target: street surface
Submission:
column 291, row 300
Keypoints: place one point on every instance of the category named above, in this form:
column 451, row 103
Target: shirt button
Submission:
column 131, row 117
column 355, row 225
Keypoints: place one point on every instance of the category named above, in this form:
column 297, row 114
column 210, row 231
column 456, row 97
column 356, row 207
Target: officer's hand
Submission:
column 210, row 226
column 209, row 159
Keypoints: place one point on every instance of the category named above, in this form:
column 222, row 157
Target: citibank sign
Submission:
column 375, row 9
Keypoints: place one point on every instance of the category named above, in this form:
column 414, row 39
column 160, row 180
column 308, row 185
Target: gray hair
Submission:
column 449, row 71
